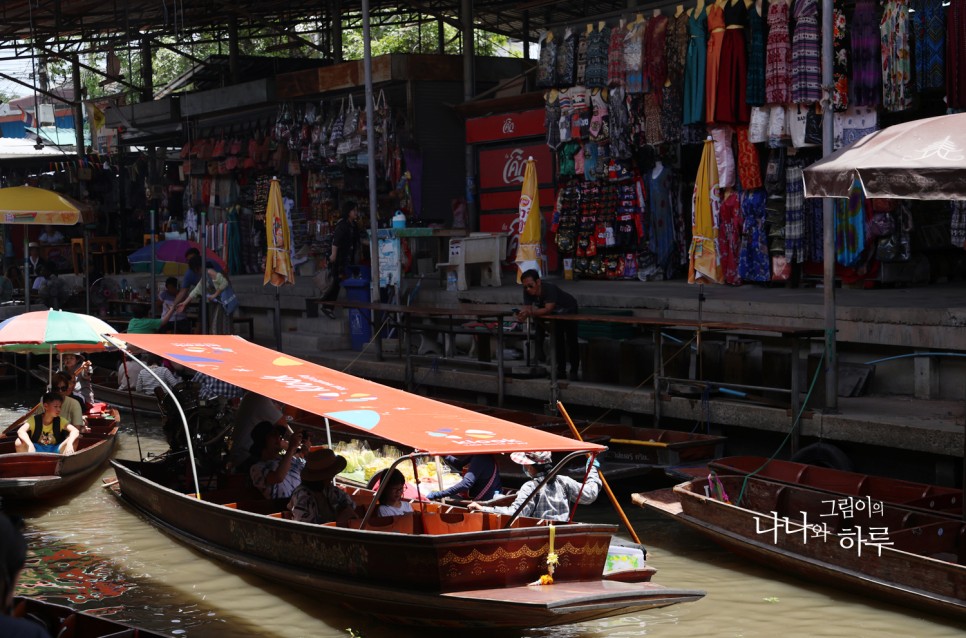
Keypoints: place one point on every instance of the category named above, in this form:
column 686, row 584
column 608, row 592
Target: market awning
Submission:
column 409, row 419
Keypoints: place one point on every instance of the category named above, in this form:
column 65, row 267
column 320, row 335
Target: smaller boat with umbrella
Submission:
column 169, row 257
column 29, row 475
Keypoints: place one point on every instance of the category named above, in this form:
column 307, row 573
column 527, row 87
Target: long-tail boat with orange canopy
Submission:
column 440, row 566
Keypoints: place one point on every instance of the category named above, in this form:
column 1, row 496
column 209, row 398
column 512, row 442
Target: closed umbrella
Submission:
column 529, row 249
column 704, row 264
column 278, row 259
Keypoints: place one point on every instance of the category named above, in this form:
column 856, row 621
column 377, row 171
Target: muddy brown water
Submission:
column 89, row 551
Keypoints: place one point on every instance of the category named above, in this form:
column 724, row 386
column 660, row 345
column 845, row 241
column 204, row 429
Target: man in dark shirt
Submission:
column 345, row 237
column 542, row 299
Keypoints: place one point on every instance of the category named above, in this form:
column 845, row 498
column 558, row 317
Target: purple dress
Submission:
column 865, row 84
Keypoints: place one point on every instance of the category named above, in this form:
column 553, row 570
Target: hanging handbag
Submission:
column 228, row 300
column 351, row 124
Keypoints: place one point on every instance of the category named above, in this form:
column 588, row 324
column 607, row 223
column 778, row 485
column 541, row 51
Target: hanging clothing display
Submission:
column 655, row 43
column 703, row 263
column 929, row 28
column 794, row 211
column 749, row 166
column 547, row 64
column 865, row 83
column 581, row 76
column 723, row 154
column 958, row 223
column 716, row 31
column 840, row 64
column 806, row 49
column 660, row 215
column 615, row 57
column 653, row 133
column 566, row 70
column 634, row 57
column 956, row 54
column 778, row 52
column 755, row 93
column 850, row 227
column 598, row 43
column 896, row 65
column 729, row 238
column 731, row 106
column 754, row 264
column 695, row 67
column 676, row 48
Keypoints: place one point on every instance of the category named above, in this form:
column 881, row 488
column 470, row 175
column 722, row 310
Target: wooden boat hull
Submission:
column 922, row 569
column 63, row 621
column 473, row 579
column 933, row 498
column 35, row 475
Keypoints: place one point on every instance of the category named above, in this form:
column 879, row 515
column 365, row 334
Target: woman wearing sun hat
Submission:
column 554, row 500
column 317, row 500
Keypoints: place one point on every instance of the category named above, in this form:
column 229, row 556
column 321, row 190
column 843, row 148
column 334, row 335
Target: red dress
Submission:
column 731, row 106
column 729, row 238
column 716, row 32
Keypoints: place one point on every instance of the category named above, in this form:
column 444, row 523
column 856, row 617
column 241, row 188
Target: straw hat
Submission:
column 322, row 464
column 531, row 458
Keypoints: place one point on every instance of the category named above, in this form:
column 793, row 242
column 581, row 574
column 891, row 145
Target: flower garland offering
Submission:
column 552, row 561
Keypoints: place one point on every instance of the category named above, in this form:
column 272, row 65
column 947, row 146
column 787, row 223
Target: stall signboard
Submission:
column 506, row 127
column 509, row 223
column 503, row 167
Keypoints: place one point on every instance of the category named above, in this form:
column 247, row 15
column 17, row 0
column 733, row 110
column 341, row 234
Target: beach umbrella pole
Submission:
column 278, row 320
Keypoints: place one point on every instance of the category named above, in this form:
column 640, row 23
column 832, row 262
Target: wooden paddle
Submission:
column 16, row 424
column 610, row 492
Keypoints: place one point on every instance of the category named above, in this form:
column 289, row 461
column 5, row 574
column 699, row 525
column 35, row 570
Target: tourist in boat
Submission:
column 317, row 500
column 126, row 371
column 252, row 410
column 210, row 388
column 72, row 408
column 480, row 482
column 553, row 502
column 47, row 432
column 80, row 369
column 13, row 556
column 146, row 382
column 541, row 299
column 281, row 460
column 391, row 501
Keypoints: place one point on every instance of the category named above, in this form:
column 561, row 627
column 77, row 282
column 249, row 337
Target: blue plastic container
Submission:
column 357, row 289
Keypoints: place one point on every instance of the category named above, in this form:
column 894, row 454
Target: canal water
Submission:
column 87, row 550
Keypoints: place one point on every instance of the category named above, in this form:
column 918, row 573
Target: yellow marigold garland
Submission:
column 552, row 561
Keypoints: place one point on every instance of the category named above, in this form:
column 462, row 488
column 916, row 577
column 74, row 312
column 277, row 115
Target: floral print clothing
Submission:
column 729, row 238
column 778, row 53
column 634, row 58
column 840, row 63
column 754, row 264
column 896, row 65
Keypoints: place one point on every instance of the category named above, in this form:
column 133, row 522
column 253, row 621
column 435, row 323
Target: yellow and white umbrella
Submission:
column 529, row 250
column 705, row 263
column 278, row 260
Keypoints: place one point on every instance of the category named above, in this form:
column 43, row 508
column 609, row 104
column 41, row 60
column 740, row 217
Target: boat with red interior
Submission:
column 440, row 566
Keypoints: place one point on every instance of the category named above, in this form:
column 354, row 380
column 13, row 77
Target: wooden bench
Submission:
column 487, row 250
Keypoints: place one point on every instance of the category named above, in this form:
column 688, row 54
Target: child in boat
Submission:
column 47, row 432
column 553, row 502
column 317, row 500
column 391, row 502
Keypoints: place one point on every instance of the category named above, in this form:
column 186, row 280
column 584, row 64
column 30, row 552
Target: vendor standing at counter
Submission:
column 542, row 299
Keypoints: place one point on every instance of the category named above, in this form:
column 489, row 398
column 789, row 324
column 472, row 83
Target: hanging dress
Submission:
column 754, row 263
column 731, row 106
column 634, row 57
column 840, row 63
column 850, row 227
column 778, row 54
column 598, row 43
column 794, row 211
column 716, row 32
column 896, row 66
column 729, row 238
column 806, row 61
column 755, row 92
column 865, row 84
column 956, row 54
column 661, row 218
column 694, row 68
column 615, row 59
column 655, row 66
column 930, row 40
column 672, row 98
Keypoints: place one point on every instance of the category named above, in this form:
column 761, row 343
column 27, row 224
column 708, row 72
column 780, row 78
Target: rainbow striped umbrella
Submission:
column 49, row 331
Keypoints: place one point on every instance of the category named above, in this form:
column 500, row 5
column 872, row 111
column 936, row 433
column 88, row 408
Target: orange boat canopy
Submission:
column 409, row 419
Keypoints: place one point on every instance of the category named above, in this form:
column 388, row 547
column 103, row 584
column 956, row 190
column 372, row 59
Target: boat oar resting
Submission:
column 438, row 566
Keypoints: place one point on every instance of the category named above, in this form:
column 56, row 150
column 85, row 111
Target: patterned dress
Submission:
column 754, row 263
column 840, row 64
column 806, row 49
column 896, row 65
column 755, row 91
column 729, row 238
column 694, row 69
column 716, row 32
column 634, row 58
column 615, row 67
column 672, row 101
column 794, row 212
column 598, row 43
column 655, row 68
column 865, row 84
column 749, row 166
column 850, row 227
column 930, row 40
column 778, row 52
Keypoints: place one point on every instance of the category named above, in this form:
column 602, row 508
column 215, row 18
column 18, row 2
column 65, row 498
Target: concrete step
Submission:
column 295, row 343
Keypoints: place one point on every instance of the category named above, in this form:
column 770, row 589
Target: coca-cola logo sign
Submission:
column 508, row 126
column 514, row 166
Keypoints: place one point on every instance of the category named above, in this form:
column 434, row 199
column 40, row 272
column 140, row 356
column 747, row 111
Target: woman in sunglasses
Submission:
column 72, row 409
column 48, row 432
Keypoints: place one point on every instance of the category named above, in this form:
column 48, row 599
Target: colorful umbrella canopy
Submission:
column 47, row 331
column 705, row 203
column 32, row 205
column 169, row 256
column 278, row 261
column 922, row 159
column 528, row 250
